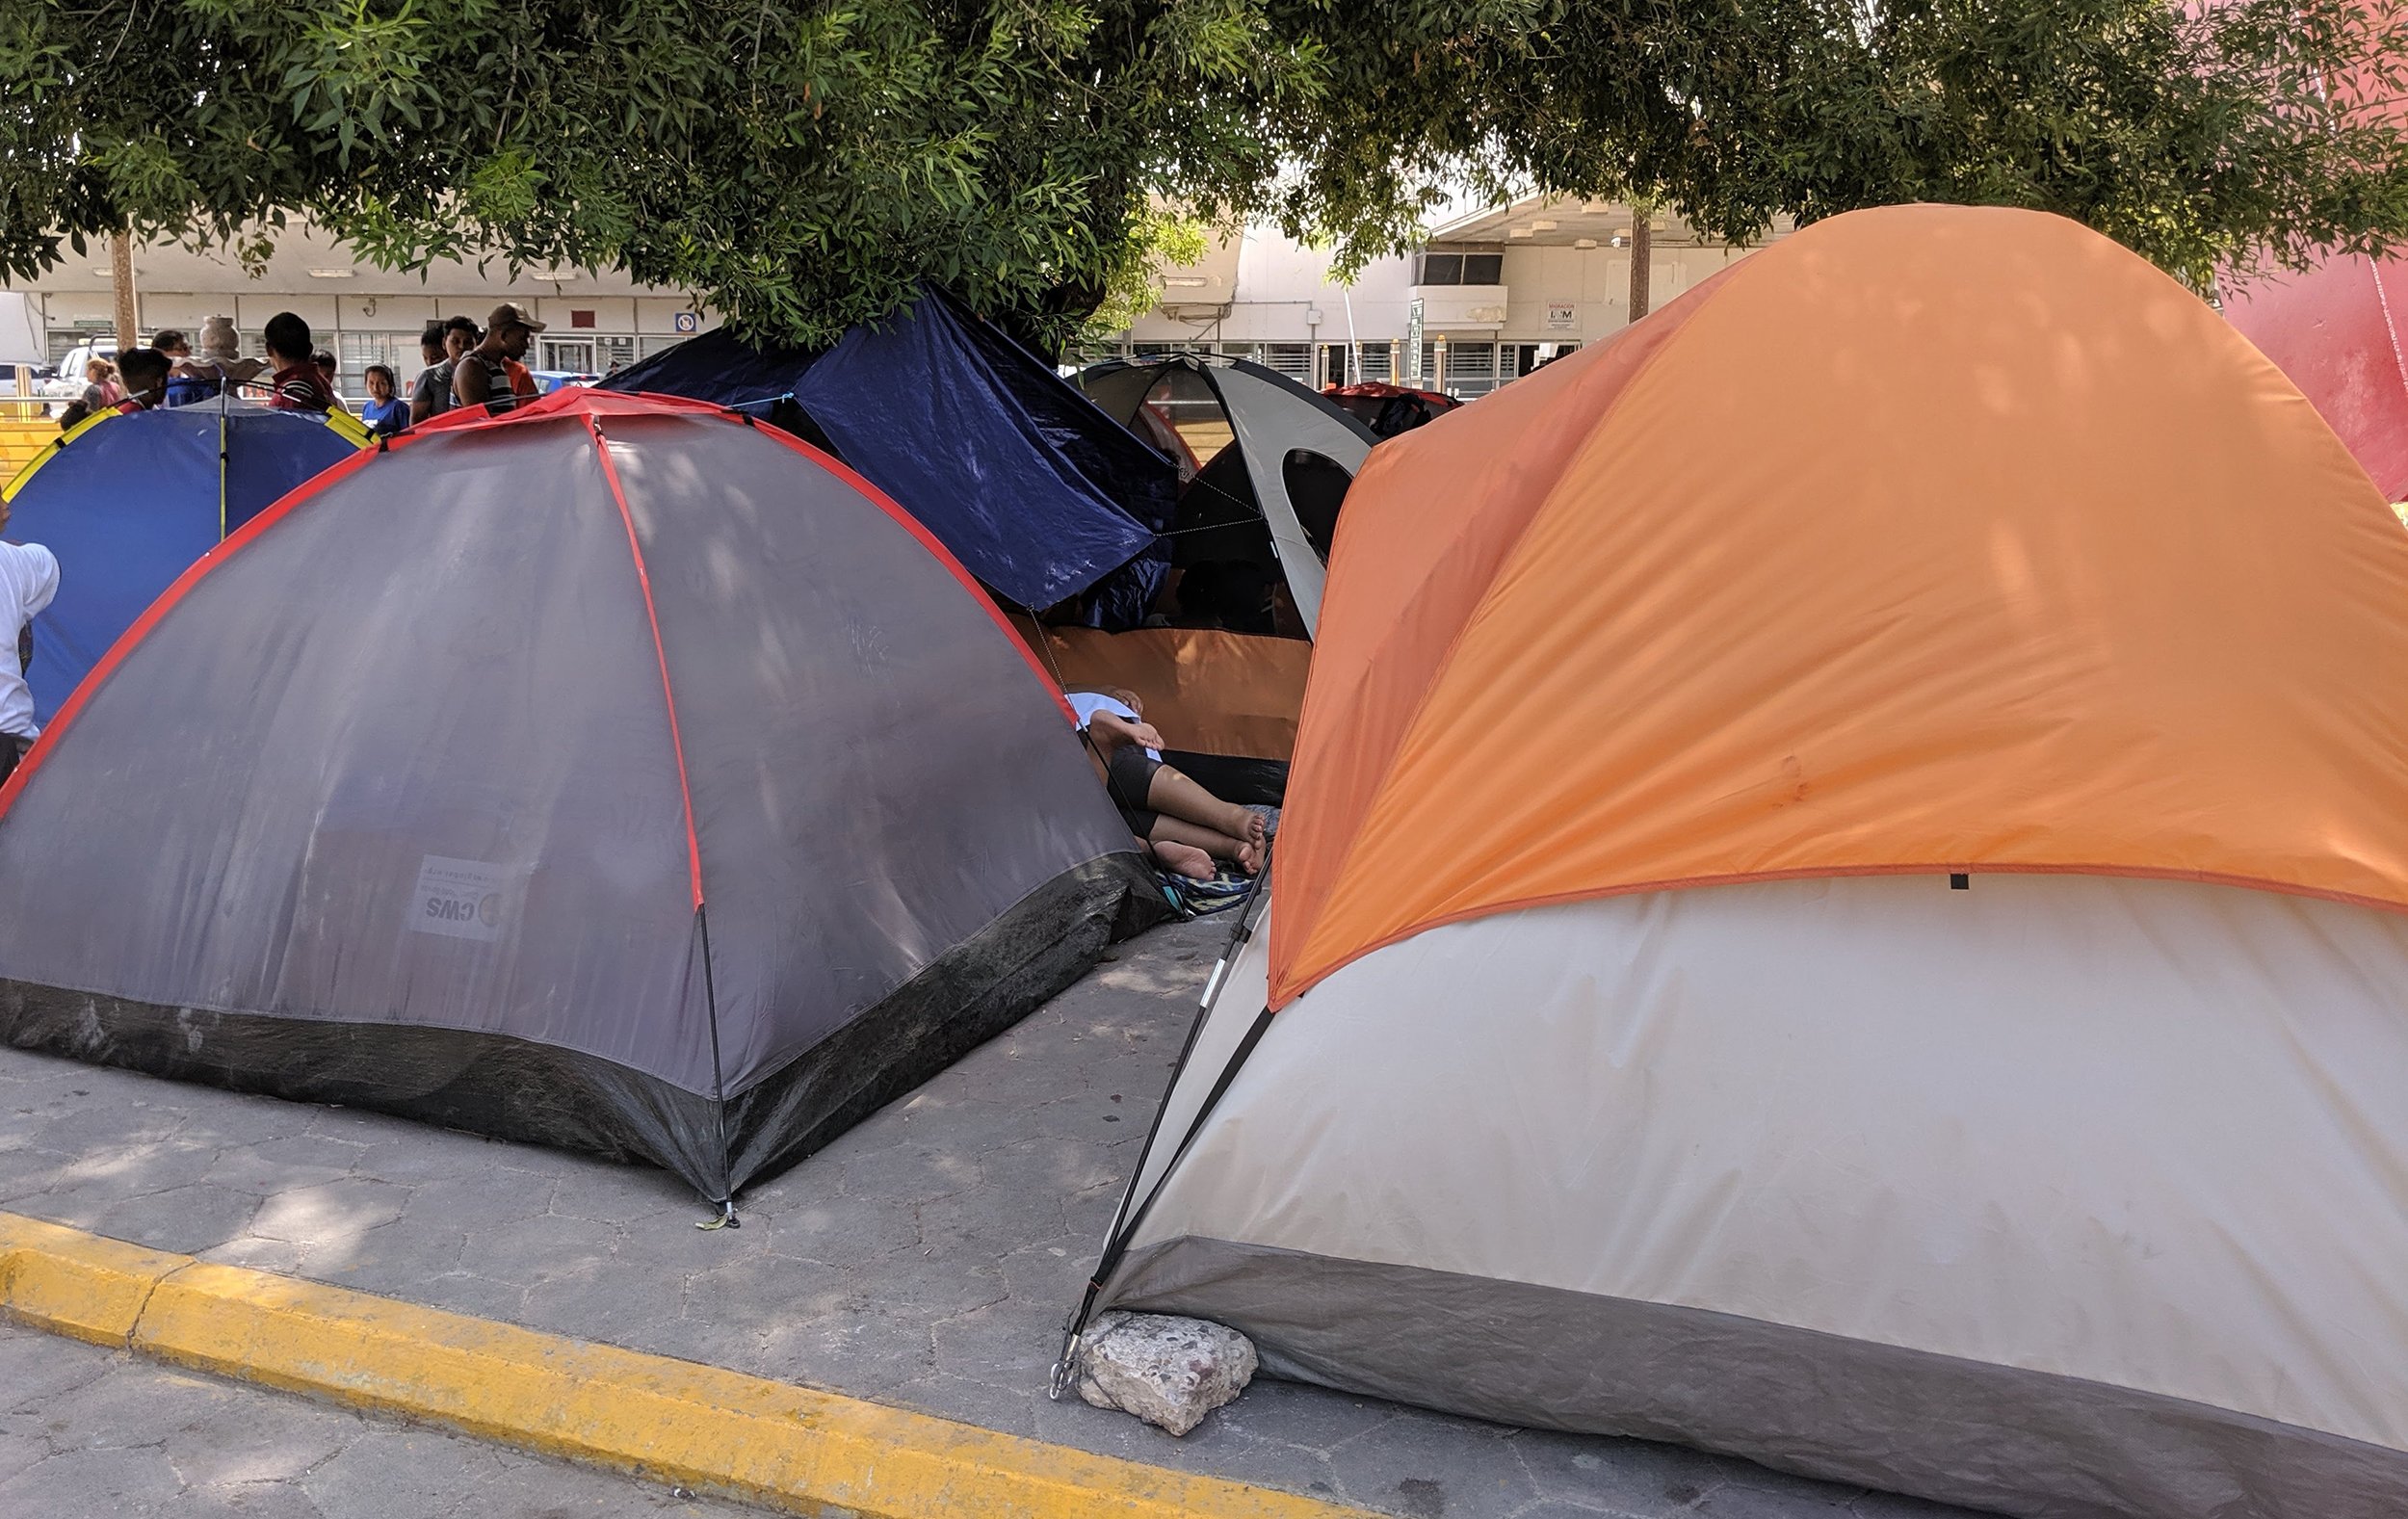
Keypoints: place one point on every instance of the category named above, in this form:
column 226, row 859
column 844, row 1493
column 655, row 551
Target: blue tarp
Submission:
column 131, row 502
column 1035, row 490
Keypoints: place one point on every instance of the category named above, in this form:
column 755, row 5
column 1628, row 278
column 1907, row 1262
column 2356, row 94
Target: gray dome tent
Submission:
column 614, row 775
column 1292, row 456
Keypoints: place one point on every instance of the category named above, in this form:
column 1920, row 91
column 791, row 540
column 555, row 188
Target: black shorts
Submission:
column 1130, row 778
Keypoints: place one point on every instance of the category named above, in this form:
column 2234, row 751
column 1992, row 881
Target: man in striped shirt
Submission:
column 296, row 385
column 489, row 374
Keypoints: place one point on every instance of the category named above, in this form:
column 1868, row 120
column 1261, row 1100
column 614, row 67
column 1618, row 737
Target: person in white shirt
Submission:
column 1186, row 826
column 29, row 577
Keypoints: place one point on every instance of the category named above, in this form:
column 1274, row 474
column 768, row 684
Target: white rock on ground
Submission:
column 1168, row 1372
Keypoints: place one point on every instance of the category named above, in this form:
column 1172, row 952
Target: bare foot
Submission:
column 1183, row 859
column 1242, row 823
column 1257, row 829
column 1250, row 854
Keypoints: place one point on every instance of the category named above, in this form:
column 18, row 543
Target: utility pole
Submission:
column 121, row 277
column 1642, row 256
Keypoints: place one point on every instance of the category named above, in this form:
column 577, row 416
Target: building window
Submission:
column 354, row 351
column 1374, row 362
column 615, row 353
column 1291, row 359
column 1459, row 269
column 568, row 356
column 1471, row 369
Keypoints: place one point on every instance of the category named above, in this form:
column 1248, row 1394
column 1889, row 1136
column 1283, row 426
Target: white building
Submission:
column 1490, row 298
column 361, row 314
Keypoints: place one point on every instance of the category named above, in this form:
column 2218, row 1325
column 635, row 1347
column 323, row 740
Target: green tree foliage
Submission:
column 804, row 164
column 2215, row 137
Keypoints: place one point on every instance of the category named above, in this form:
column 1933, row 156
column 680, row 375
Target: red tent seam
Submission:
column 926, row 541
column 668, row 692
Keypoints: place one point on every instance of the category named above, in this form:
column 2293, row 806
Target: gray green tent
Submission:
column 614, row 775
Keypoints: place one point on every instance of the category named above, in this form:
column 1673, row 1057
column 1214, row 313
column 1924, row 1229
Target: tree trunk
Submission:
column 1642, row 259
column 121, row 277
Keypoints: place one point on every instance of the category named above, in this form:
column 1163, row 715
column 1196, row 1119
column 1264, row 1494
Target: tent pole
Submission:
column 1354, row 344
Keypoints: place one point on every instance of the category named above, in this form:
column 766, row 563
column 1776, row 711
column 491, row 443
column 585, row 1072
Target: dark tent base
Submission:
column 509, row 1089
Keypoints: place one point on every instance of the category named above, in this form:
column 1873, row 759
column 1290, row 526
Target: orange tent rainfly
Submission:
column 1841, row 901
column 1849, row 563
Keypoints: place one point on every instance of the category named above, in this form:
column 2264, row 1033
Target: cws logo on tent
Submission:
column 460, row 899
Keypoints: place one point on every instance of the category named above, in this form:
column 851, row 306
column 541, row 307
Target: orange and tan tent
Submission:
column 1844, row 899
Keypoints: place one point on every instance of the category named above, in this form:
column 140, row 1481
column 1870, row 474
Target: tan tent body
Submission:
column 1207, row 690
column 1843, row 903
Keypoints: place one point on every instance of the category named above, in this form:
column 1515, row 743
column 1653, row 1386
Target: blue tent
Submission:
column 128, row 501
column 1039, row 493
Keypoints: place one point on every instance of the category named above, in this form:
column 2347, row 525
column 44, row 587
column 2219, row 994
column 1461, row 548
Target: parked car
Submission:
column 67, row 382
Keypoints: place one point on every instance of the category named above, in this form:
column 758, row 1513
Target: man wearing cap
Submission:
column 487, row 375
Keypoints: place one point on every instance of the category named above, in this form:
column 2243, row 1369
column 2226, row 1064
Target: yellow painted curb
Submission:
column 672, row 1420
column 74, row 1283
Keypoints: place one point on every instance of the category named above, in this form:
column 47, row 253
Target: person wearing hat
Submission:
column 489, row 374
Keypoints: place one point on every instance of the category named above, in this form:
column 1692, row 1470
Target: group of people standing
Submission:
column 465, row 365
column 471, row 367
column 167, row 373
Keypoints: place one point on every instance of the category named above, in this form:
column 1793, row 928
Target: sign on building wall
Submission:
column 1413, row 342
column 1563, row 316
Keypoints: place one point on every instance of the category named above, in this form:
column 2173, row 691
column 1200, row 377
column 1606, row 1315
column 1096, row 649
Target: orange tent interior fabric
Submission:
column 1930, row 538
column 1209, row 691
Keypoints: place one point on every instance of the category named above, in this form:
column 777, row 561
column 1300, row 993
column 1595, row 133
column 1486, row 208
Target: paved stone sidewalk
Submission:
column 928, row 1258
column 88, row 1433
